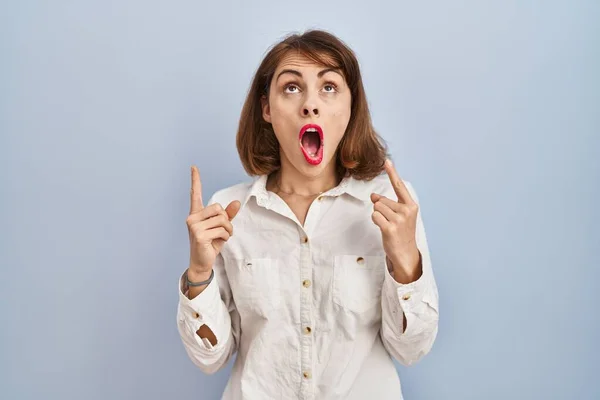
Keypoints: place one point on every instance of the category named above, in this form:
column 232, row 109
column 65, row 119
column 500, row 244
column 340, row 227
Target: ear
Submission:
column 266, row 110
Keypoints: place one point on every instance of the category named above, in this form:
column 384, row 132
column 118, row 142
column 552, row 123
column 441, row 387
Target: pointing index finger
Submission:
column 196, row 204
column 399, row 186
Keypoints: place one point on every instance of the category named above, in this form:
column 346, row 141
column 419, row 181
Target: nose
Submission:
column 310, row 111
column 310, row 108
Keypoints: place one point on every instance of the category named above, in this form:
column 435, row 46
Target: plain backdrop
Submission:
column 490, row 108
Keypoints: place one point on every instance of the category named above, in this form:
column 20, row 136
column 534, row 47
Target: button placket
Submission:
column 305, row 329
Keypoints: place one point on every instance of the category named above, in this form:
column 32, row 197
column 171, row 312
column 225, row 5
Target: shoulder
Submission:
column 228, row 194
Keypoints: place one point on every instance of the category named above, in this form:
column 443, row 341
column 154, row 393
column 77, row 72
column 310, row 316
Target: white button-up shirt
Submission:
column 312, row 311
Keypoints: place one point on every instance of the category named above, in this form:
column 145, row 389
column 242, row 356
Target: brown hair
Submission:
column 361, row 153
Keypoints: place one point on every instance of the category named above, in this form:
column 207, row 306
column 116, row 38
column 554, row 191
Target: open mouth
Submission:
column 311, row 143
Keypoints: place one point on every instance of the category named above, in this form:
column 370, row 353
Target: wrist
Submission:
column 406, row 271
column 194, row 275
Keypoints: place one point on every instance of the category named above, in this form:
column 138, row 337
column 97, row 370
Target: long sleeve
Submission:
column 215, row 308
column 418, row 301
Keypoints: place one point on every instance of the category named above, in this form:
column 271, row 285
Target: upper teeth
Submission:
column 311, row 130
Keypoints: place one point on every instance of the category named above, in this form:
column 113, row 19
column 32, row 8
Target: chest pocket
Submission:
column 256, row 286
column 357, row 281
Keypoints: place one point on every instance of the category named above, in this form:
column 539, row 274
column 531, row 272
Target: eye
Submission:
column 330, row 88
column 291, row 88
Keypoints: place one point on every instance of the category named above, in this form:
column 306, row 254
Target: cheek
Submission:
column 280, row 112
column 342, row 111
column 276, row 114
column 340, row 117
column 280, row 121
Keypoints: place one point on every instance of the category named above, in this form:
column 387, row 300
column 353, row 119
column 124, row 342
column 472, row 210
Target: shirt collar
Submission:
column 352, row 187
column 258, row 189
column 358, row 189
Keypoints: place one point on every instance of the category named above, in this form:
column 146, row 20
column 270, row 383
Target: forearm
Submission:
column 208, row 323
column 192, row 291
column 405, row 276
column 409, row 313
column 208, row 357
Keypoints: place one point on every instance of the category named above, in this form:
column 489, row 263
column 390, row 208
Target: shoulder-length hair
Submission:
column 361, row 152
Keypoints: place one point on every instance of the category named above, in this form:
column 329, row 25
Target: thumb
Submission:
column 375, row 197
column 232, row 209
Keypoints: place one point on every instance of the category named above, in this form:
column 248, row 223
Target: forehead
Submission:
column 299, row 61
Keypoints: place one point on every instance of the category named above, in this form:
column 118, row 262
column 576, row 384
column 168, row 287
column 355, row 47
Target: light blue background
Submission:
column 491, row 110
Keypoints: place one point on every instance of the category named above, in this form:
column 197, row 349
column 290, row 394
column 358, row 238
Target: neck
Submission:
column 290, row 181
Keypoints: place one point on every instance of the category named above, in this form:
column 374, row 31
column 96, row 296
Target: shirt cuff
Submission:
column 417, row 300
column 408, row 295
column 204, row 300
column 201, row 311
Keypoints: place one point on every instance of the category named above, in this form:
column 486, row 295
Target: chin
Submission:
column 311, row 170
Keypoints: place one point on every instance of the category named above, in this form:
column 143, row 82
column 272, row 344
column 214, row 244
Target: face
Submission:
column 309, row 109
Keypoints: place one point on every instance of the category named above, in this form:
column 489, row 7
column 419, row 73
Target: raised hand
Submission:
column 209, row 228
column 397, row 220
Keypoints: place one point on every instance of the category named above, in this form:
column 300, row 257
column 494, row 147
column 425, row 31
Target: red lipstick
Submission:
column 311, row 143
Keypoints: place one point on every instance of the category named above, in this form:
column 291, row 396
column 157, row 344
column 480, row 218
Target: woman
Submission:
column 317, row 273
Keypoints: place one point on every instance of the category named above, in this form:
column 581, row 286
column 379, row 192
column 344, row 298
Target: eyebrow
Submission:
column 299, row 74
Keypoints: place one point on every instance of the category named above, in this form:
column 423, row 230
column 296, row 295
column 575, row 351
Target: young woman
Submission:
column 317, row 273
